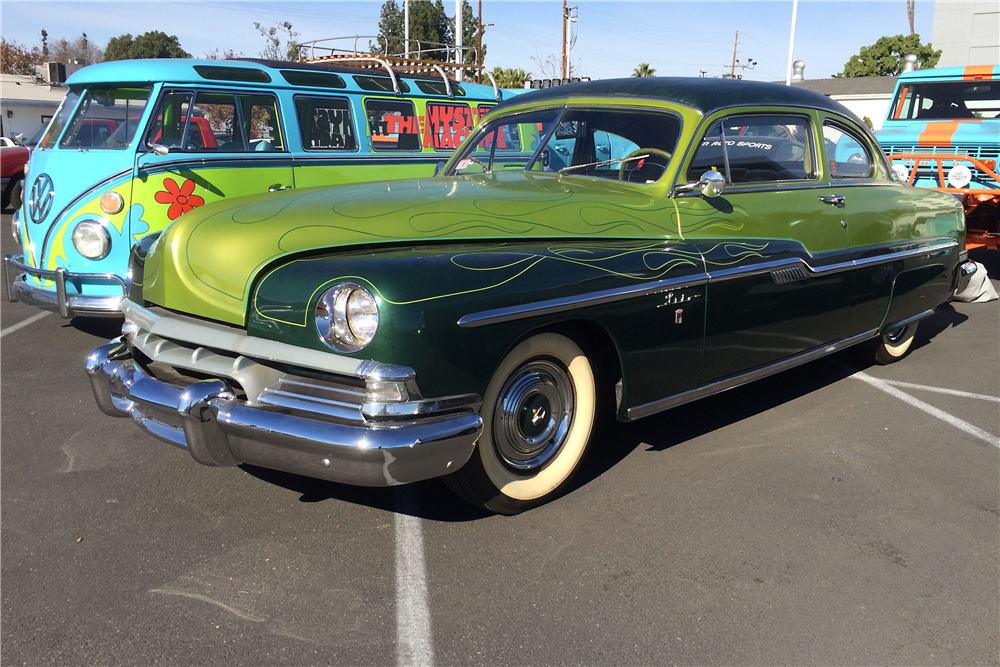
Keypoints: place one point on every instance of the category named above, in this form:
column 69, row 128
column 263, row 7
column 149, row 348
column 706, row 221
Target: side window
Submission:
column 167, row 128
column 393, row 125
column 218, row 123
column 482, row 110
column 260, row 122
column 758, row 149
column 846, row 153
column 326, row 123
column 449, row 125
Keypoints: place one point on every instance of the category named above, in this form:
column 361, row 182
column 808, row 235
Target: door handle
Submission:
column 277, row 188
column 834, row 200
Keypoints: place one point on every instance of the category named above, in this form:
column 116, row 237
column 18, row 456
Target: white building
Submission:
column 968, row 33
column 26, row 103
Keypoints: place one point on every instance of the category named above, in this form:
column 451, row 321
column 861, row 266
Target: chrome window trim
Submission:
column 708, row 113
column 473, row 139
column 320, row 152
column 872, row 171
column 740, row 187
column 551, row 306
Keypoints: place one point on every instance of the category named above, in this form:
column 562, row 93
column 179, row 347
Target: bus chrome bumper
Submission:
column 67, row 305
column 219, row 429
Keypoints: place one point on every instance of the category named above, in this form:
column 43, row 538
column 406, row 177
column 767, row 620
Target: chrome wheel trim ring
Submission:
column 533, row 415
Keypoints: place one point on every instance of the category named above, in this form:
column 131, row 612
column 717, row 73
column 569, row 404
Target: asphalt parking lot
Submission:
column 833, row 514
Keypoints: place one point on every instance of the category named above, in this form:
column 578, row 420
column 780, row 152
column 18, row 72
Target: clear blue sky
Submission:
column 675, row 38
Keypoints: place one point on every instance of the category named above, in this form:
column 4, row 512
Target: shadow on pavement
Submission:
column 101, row 327
column 615, row 440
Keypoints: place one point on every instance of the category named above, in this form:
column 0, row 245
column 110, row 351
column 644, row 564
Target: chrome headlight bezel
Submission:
column 94, row 232
column 15, row 226
column 336, row 309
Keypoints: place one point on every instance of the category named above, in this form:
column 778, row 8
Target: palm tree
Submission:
column 643, row 70
column 510, row 78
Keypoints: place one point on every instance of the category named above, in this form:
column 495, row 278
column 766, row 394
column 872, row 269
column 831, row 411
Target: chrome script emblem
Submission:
column 40, row 201
column 537, row 416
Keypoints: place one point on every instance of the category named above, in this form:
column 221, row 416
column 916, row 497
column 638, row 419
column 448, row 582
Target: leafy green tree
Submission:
column 428, row 23
column 509, row 78
column 885, row 57
column 153, row 44
column 273, row 35
column 643, row 70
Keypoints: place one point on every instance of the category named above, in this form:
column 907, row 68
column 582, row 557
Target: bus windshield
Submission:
column 947, row 100
column 100, row 115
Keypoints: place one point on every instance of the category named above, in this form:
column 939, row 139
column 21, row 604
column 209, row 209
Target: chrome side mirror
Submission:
column 712, row 184
column 160, row 149
column 438, row 167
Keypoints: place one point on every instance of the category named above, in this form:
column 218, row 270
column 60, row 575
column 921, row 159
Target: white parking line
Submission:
column 413, row 615
column 14, row 327
column 942, row 390
column 974, row 431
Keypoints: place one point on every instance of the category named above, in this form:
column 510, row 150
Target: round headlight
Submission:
column 112, row 202
column 347, row 317
column 91, row 240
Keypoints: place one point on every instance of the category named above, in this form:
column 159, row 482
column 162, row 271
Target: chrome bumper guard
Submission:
column 219, row 429
column 67, row 305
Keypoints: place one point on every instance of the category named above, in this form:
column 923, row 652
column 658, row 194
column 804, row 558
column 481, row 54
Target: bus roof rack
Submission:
column 411, row 57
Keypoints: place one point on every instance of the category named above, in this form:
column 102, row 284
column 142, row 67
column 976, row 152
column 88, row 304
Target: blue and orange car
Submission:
column 942, row 131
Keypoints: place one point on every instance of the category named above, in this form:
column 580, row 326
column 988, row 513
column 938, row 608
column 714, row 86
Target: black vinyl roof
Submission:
column 705, row 95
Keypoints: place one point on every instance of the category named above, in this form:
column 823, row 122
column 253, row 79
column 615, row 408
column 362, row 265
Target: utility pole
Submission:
column 564, row 39
column 732, row 72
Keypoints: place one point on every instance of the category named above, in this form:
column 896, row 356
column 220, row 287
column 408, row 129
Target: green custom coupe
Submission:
column 607, row 249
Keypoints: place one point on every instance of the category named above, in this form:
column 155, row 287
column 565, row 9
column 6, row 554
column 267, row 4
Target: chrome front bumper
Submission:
column 219, row 429
column 67, row 305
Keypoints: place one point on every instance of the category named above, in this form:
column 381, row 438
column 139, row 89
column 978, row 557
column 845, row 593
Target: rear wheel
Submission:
column 893, row 345
column 538, row 414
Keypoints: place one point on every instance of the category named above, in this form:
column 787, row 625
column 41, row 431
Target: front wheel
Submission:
column 538, row 414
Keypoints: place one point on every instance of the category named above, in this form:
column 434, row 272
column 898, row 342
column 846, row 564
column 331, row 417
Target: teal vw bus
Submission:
column 136, row 144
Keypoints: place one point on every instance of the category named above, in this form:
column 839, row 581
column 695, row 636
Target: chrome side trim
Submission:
column 550, row 306
column 794, row 265
column 903, row 323
column 722, row 385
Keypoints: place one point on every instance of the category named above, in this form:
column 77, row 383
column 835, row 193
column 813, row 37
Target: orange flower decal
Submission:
column 180, row 198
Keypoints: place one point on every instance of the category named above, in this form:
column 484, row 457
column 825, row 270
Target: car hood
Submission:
column 206, row 262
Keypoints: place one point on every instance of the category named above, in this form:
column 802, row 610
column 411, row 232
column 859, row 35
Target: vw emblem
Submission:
column 40, row 202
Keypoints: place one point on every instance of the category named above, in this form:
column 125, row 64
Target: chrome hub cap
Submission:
column 532, row 416
column 895, row 335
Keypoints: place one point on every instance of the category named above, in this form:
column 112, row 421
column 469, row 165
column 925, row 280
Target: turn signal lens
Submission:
column 112, row 202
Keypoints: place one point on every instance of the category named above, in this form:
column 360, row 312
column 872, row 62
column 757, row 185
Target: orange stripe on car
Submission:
column 977, row 72
column 938, row 134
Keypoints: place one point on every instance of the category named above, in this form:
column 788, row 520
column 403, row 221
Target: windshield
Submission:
column 615, row 144
column 58, row 122
column 951, row 100
column 36, row 136
column 101, row 113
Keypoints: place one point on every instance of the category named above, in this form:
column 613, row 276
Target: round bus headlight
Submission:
column 347, row 317
column 91, row 240
column 112, row 202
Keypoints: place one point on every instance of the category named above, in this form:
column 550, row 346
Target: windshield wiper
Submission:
column 604, row 163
